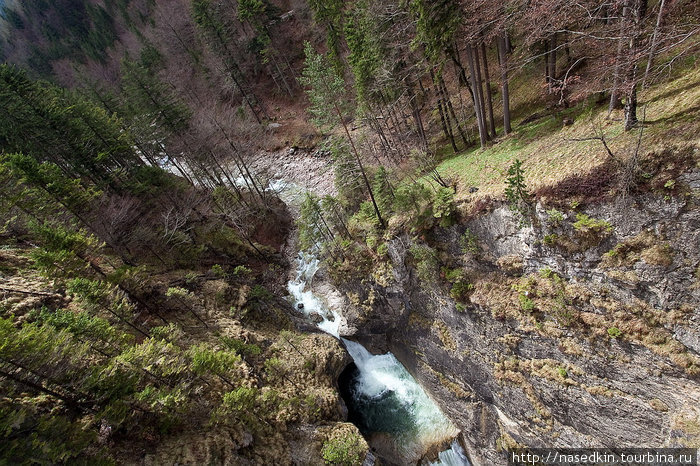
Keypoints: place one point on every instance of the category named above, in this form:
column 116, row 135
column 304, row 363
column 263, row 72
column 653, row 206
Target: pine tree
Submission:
column 313, row 231
column 156, row 113
column 365, row 57
column 329, row 14
column 330, row 107
column 52, row 125
column 436, row 26
column 217, row 30
column 383, row 190
column 347, row 175
column 206, row 360
column 517, row 194
column 257, row 13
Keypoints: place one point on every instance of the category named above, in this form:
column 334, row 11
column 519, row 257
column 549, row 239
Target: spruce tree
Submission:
column 330, row 106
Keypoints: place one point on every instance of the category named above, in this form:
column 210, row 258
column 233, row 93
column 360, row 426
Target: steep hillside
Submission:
column 578, row 331
column 503, row 195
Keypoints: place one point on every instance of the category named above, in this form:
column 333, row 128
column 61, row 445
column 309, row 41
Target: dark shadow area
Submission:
column 346, row 385
column 686, row 115
column 672, row 92
column 384, row 413
column 594, row 186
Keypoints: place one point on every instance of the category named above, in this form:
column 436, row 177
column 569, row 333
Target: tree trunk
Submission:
column 282, row 77
column 242, row 167
column 454, row 55
column 637, row 15
column 377, row 127
column 73, row 404
column 339, row 217
column 567, row 51
column 415, row 110
column 317, row 208
column 502, row 52
column 480, row 91
column 654, row 42
column 362, row 168
column 615, row 100
column 552, row 62
column 451, row 109
column 232, row 69
column 489, row 96
column 477, row 109
column 446, row 125
column 631, row 104
column 444, row 119
column 545, row 60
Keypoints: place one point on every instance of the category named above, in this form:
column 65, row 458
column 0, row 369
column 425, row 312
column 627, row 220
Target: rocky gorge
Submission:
column 577, row 330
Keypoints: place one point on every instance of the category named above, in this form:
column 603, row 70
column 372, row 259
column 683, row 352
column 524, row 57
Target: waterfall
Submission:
column 453, row 456
column 307, row 265
column 390, row 399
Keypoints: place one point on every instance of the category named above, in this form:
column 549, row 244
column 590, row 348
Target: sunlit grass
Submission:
column 551, row 151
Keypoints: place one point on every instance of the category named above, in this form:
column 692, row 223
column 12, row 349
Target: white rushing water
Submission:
column 384, row 388
column 307, row 265
column 453, row 456
column 387, row 391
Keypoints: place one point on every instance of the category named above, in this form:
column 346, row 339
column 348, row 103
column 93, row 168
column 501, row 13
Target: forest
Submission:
column 145, row 246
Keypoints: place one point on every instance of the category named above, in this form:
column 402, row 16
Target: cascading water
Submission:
column 453, row 456
column 389, row 400
column 385, row 397
column 307, row 265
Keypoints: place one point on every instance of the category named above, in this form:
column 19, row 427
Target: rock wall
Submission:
column 579, row 330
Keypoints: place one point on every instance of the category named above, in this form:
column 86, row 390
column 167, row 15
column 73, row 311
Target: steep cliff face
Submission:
column 579, row 330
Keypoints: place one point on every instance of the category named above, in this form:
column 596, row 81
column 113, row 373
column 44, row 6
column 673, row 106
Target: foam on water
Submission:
column 382, row 376
column 453, row 456
column 307, row 265
column 419, row 422
column 383, row 381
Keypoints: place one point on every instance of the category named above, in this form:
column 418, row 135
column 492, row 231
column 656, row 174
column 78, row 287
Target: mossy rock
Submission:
column 344, row 446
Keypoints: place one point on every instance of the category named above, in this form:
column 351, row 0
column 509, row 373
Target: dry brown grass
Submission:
column 658, row 254
column 644, row 246
column 552, row 152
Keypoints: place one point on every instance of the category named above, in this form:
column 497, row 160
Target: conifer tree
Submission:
column 365, row 57
column 52, row 125
column 217, row 30
column 329, row 14
column 257, row 13
column 313, row 232
column 330, row 106
column 383, row 189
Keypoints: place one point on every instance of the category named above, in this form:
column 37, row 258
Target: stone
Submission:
column 517, row 392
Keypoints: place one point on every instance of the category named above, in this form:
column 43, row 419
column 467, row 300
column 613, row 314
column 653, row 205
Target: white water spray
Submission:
column 307, row 265
column 453, row 456
column 381, row 377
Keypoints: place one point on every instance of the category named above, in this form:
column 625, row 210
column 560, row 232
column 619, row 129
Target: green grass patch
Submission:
column 552, row 152
column 587, row 224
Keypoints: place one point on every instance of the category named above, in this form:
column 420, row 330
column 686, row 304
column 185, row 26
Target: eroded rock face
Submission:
column 581, row 330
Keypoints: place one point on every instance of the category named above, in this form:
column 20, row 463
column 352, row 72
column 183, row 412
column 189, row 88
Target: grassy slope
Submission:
column 546, row 146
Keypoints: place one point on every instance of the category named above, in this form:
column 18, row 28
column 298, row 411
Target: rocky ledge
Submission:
column 579, row 330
